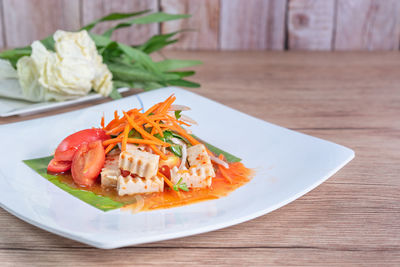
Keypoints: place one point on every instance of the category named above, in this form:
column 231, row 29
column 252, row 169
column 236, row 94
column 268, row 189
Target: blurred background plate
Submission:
column 11, row 107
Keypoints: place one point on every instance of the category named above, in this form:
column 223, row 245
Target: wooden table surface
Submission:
column 352, row 219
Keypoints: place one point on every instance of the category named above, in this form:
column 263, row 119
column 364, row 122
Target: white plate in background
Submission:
column 10, row 107
column 288, row 164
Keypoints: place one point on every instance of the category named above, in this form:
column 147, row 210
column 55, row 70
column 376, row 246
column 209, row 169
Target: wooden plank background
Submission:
column 220, row 24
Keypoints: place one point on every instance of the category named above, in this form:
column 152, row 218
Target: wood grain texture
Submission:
column 252, row 25
column 350, row 220
column 367, row 25
column 310, row 24
column 29, row 20
column 136, row 34
column 204, row 22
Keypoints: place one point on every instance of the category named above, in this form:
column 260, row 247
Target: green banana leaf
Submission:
column 39, row 165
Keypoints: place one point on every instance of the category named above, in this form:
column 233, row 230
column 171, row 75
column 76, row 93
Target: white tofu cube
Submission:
column 141, row 163
column 110, row 171
column 198, row 157
column 195, row 177
column 130, row 185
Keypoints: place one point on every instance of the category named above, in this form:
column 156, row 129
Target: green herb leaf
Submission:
column 121, row 84
column 114, row 93
column 158, row 42
column 140, row 57
column 178, row 114
column 132, row 73
column 151, row 18
column 183, row 74
column 174, row 148
column 134, row 134
column 14, row 55
column 183, row 187
column 184, row 83
column 111, row 17
column 49, row 42
column 152, row 86
column 100, row 40
column 180, row 185
column 171, row 64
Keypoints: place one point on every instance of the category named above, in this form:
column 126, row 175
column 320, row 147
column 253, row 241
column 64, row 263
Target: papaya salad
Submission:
column 150, row 157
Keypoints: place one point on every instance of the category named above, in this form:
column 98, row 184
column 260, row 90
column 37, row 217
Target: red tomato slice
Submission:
column 87, row 163
column 166, row 171
column 67, row 148
column 58, row 166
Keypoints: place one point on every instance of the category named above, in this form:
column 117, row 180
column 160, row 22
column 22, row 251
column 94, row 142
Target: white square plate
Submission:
column 288, row 164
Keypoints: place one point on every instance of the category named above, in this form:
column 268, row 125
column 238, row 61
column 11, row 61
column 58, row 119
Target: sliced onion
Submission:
column 188, row 119
column 184, row 152
column 184, row 118
column 219, row 161
column 179, row 107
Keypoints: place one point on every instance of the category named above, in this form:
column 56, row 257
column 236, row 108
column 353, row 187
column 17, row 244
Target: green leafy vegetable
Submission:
column 115, row 94
column 158, row 42
column 151, row 18
column 184, row 83
column 103, row 203
column 131, row 66
column 171, row 64
column 174, row 148
column 113, row 16
column 181, row 186
column 134, row 134
column 178, row 114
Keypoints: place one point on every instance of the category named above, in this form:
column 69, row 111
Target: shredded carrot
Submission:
column 142, row 132
column 224, row 174
column 145, row 141
column 178, row 121
column 131, row 141
column 113, row 122
column 182, row 132
column 155, row 125
column 167, row 104
column 109, row 148
column 153, row 131
column 116, row 130
column 102, row 122
column 112, row 141
column 150, row 110
column 125, row 138
column 156, row 117
column 158, row 152
column 167, row 181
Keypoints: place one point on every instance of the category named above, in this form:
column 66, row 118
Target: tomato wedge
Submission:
column 67, row 148
column 87, row 163
column 58, row 166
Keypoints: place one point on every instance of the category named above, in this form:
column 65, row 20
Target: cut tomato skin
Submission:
column 58, row 166
column 67, row 148
column 166, row 171
column 87, row 163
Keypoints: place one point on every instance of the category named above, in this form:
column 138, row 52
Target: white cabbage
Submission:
column 70, row 72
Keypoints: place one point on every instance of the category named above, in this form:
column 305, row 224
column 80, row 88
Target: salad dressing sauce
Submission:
column 220, row 187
